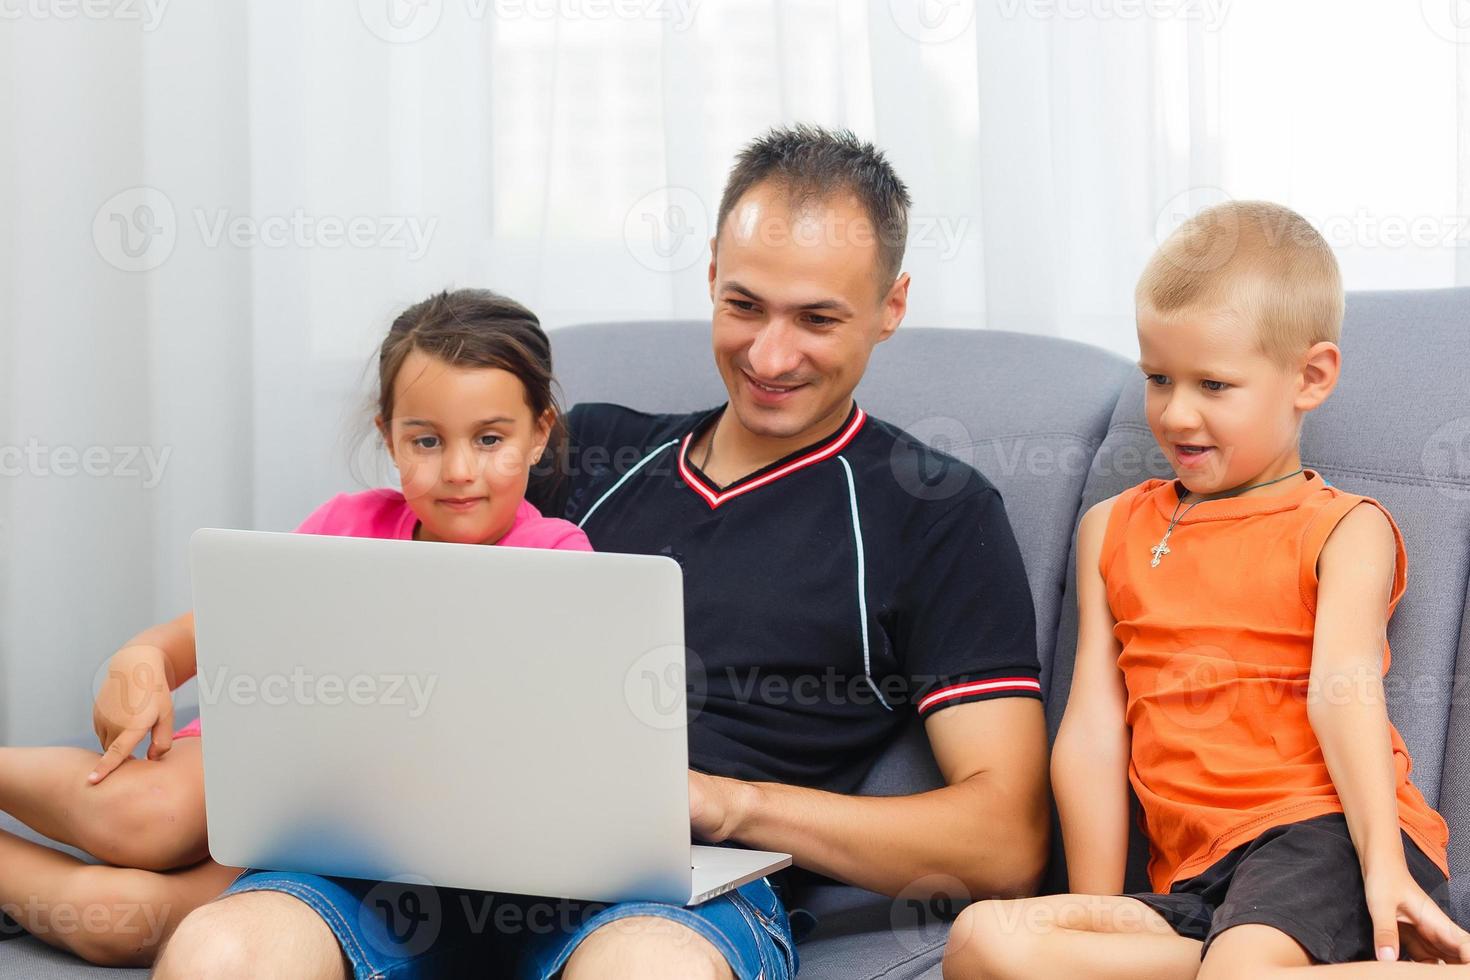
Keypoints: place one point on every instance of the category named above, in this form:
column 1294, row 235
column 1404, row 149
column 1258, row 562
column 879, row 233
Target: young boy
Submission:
column 1230, row 655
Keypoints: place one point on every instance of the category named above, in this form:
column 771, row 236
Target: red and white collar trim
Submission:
column 715, row 498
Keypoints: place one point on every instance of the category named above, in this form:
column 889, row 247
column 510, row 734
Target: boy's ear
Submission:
column 1320, row 369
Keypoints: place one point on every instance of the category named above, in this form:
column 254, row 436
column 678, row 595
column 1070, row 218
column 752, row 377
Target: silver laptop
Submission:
column 501, row 719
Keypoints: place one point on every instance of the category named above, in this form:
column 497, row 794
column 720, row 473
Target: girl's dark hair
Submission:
column 478, row 328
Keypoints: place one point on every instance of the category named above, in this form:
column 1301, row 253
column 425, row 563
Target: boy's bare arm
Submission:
column 1089, row 765
column 1348, row 713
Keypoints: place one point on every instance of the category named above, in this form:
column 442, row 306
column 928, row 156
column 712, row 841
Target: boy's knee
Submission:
column 982, row 945
column 650, row 947
column 251, row 935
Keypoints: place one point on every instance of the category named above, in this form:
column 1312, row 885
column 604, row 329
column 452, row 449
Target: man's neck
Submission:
column 728, row 451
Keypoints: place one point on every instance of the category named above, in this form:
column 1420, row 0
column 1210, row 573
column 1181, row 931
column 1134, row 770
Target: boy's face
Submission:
column 1224, row 412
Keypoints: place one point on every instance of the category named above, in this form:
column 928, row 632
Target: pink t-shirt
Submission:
column 385, row 514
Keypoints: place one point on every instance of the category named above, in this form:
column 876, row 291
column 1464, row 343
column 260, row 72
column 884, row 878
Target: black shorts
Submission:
column 1301, row 878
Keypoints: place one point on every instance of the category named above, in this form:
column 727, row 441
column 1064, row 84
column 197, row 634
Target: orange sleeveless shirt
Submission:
column 1216, row 657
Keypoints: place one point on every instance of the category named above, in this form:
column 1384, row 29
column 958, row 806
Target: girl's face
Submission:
column 464, row 440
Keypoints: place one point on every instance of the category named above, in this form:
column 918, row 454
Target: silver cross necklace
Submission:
column 1162, row 548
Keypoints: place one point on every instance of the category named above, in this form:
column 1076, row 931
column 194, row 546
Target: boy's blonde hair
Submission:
column 1261, row 261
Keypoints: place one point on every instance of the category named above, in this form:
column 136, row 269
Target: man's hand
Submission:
column 717, row 806
column 1401, row 911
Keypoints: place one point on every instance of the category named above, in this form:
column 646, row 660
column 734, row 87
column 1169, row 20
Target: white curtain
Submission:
column 211, row 212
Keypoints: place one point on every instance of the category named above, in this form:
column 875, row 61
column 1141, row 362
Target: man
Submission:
column 809, row 559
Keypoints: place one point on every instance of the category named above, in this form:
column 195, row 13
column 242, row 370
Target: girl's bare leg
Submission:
column 146, row 814
column 1097, row 936
column 108, row 916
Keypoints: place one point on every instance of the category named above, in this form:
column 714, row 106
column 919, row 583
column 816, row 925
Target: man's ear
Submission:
column 1320, row 368
column 895, row 305
column 713, row 256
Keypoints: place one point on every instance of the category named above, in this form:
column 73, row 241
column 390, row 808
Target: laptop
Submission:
column 500, row 719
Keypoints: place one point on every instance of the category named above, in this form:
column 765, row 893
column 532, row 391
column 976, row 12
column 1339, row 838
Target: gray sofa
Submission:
column 1058, row 426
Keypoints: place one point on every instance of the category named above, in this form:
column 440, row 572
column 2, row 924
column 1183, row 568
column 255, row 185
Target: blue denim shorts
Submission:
column 407, row 930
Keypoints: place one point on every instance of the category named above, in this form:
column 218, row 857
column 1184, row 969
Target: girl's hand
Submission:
column 135, row 700
column 1401, row 910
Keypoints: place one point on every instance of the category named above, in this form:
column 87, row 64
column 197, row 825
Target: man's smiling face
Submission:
column 799, row 303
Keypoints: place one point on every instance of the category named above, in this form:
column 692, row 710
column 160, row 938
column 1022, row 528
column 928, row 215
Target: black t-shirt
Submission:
column 827, row 597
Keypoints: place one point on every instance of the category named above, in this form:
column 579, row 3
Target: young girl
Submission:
column 465, row 408
column 1230, row 655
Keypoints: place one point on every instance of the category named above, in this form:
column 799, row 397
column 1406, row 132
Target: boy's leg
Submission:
column 1263, row 952
column 1295, row 899
column 146, row 814
column 108, row 916
column 1098, row 936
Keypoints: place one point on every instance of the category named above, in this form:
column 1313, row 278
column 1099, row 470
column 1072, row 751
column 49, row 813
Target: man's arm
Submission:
column 1090, row 758
column 987, row 827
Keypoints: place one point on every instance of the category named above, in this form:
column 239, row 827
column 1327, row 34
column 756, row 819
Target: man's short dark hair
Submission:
column 813, row 164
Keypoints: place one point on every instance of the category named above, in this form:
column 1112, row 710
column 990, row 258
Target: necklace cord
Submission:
column 1162, row 548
